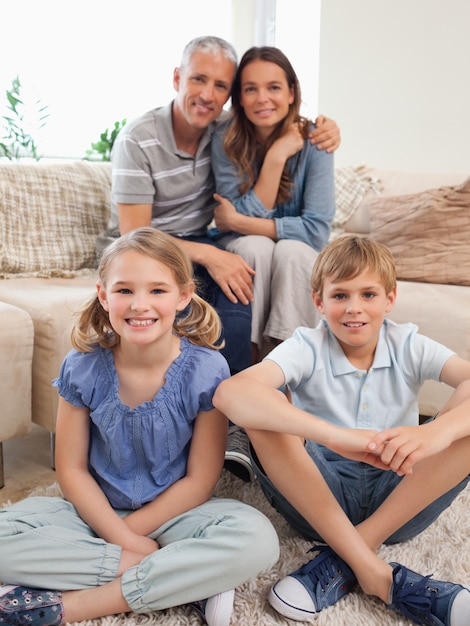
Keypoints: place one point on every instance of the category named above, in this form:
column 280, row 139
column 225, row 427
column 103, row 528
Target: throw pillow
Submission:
column 50, row 216
column 351, row 185
column 428, row 233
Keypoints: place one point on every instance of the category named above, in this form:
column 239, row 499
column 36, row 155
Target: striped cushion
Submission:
column 50, row 216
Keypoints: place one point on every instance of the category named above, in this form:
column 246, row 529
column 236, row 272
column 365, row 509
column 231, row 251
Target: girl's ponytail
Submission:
column 201, row 325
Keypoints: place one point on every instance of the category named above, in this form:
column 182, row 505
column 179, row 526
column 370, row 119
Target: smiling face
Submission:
column 141, row 297
column 355, row 309
column 203, row 87
column 265, row 95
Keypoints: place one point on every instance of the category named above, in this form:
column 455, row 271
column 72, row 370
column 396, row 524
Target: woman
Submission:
column 275, row 191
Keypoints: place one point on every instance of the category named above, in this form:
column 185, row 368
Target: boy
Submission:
column 322, row 460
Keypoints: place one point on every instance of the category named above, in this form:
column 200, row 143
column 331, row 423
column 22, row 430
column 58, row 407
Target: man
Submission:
column 162, row 177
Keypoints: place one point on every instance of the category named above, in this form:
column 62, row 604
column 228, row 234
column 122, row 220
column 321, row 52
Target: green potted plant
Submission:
column 101, row 149
column 19, row 123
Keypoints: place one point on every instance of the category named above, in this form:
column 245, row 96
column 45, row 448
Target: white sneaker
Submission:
column 237, row 455
column 216, row 610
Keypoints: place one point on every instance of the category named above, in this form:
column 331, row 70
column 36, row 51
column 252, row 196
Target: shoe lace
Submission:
column 415, row 600
column 238, row 441
column 325, row 567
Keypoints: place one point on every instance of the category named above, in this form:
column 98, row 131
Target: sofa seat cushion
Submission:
column 427, row 232
column 51, row 304
column 16, row 341
column 441, row 312
column 50, row 216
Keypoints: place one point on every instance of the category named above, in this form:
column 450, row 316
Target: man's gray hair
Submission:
column 209, row 44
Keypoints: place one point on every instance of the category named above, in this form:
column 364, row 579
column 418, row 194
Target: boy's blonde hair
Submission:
column 199, row 322
column 348, row 256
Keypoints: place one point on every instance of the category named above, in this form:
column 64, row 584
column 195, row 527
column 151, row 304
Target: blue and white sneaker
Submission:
column 216, row 610
column 316, row 585
column 37, row 607
column 426, row 601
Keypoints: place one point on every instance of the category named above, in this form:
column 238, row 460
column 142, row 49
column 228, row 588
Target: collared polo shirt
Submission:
column 324, row 382
column 148, row 168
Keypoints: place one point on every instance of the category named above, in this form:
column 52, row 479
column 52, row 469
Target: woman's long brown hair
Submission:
column 240, row 143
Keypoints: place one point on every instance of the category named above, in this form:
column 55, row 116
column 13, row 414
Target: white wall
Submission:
column 298, row 36
column 395, row 74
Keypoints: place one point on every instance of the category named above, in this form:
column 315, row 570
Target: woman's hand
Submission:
column 288, row 144
column 225, row 214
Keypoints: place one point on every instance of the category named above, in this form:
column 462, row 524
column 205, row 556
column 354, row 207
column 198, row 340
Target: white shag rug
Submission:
column 442, row 550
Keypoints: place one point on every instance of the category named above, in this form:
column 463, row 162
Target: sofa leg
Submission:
column 2, row 476
column 52, row 438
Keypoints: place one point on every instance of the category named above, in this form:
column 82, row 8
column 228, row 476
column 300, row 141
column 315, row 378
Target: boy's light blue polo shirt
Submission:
column 323, row 381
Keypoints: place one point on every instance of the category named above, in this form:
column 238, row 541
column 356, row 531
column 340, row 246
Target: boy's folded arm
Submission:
column 251, row 399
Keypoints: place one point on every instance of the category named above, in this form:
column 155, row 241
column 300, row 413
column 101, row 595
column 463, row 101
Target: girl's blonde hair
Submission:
column 348, row 256
column 240, row 142
column 199, row 322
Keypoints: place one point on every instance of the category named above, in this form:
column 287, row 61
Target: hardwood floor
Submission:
column 27, row 465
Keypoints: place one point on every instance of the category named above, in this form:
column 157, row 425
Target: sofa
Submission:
column 51, row 214
column 424, row 218
column 16, row 345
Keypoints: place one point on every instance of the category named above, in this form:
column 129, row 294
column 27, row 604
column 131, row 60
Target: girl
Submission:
column 140, row 448
column 275, row 188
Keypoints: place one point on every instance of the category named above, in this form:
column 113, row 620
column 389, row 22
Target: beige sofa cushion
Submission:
column 427, row 232
column 16, row 341
column 50, row 215
column 441, row 312
column 51, row 303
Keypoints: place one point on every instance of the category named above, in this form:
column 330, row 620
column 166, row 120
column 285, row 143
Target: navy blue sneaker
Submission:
column 316, row 585
column 216, row 610
column 37, row 607
column 237, row 454
column 426, row 601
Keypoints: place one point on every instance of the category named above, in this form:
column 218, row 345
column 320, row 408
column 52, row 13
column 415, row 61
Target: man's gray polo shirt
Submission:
column 148, row 168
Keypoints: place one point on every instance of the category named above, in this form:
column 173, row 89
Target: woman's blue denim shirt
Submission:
column 136, row 454
column 307, row 215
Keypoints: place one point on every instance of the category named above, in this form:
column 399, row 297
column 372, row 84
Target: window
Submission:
column 97, row 62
